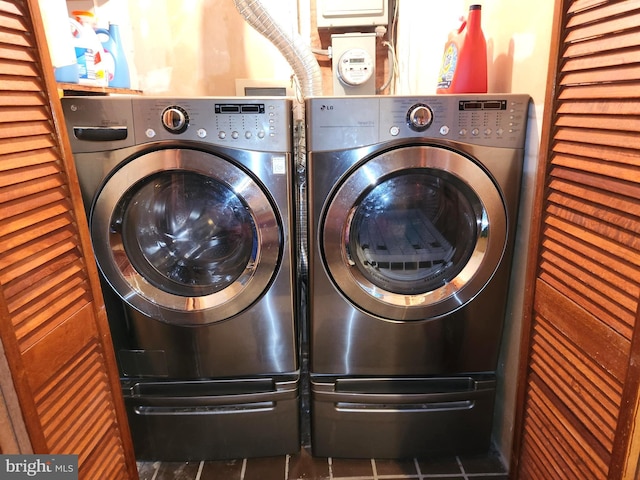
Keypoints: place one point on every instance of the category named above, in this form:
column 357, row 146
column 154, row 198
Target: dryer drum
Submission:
column 418, row 241
column 410, row 233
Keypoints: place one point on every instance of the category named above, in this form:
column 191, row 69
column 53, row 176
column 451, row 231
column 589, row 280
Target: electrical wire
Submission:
column 393, row 66
column 394, row 69
column 320, row 51
column 393, row 39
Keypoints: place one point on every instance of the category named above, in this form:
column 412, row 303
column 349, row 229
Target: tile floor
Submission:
column 302, row 466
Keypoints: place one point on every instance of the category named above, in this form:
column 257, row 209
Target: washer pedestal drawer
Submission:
column 213, row 420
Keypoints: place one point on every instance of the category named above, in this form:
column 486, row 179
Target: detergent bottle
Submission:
column 59, row 40
column 92, row 69
column 464, row 62
column 112, row 44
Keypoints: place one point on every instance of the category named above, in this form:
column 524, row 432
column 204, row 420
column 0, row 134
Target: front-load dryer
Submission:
column 191, row 215
column 412, row 212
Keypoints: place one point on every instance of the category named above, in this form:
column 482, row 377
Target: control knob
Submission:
column 175, row 119
column 419, row 117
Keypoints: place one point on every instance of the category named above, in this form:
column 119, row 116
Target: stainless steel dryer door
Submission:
column 413, row 233
column 185, row 237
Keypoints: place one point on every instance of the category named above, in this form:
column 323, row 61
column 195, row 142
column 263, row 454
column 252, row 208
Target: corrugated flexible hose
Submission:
column 292, row 46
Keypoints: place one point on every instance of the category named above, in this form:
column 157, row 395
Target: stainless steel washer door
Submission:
column 414, row 233
column 185, row 237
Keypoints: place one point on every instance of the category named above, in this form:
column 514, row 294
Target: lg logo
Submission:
column 326, row 107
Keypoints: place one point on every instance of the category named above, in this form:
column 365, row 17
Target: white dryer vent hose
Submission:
column 293, row 48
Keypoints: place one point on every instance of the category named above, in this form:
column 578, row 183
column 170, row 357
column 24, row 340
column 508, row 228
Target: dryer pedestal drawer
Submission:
column 224, row 422
column 402, row 418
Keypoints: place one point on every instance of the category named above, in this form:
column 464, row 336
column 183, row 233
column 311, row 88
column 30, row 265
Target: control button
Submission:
column 444, row 130
column 487, row 131
column 500, row 131
column 222, row 135
column 463, row 131
column 234, row 135
column 475, row 132
column 150, row 132
column 394, row 131
column 202, row 133
column 248, row 135
column 261, row 134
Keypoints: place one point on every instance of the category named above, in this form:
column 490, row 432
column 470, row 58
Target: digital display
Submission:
column 239, row 108
column 466, row 105
column 472, row 106
column 494, row 106
column 356, row 60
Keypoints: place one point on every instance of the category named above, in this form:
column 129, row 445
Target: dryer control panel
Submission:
column 349, row 122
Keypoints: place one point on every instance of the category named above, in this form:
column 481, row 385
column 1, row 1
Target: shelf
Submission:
column 75, row 89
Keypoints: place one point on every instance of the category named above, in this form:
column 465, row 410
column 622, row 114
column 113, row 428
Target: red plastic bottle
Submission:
column 464, row 63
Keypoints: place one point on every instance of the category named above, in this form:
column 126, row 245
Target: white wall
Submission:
column 193, row 47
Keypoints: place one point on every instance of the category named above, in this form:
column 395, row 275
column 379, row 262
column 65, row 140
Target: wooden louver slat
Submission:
column 614, row 156
column 602, row 45
column 601, row 91
column 609, row 19
column 580, row 5
column 600, row 182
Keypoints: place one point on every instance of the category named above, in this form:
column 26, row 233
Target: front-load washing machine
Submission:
column 412, row 212
column 191, row 212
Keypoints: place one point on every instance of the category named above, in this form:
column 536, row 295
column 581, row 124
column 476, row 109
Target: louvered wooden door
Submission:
column 581, row 358
column 52, row 321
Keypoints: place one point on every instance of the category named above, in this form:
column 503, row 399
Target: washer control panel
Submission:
column 263, row 124
column 245, row 123
column 483, row 119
